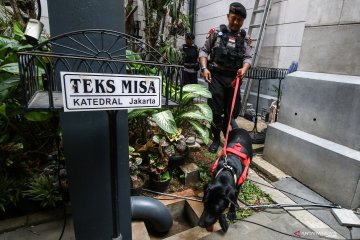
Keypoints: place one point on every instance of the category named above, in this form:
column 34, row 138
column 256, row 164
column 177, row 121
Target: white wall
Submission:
column 332, row 31
column 283, row 35
column 45, row 16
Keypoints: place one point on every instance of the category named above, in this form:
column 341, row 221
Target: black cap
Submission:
column 190, row 35
column 237, row 8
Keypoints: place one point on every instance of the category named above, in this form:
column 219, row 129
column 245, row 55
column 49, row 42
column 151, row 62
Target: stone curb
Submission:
column 33, row 219
column 269, row 170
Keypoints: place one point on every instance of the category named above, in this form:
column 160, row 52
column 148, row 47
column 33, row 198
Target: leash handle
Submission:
column 237, row 80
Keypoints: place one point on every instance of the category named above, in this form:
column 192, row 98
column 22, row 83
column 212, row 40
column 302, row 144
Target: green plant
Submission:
column 10, row 192
column 17, row 127
column 41, row 189
column 158, row 165
column 250, row 194
column 138, row 68
column 171, row 53
column 164, row 21
column 196, row 115
column 135, row 160
column 19, row 10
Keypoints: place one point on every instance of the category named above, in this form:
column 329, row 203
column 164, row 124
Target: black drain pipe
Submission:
column 152, row 212
column 192, row 15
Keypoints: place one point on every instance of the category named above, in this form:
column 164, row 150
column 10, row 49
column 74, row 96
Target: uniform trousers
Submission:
column 220, row 103
column 189, row 77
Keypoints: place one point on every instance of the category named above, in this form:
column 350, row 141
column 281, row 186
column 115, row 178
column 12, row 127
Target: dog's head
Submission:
column 216, row 200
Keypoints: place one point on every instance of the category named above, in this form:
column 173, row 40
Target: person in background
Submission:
column 191, row 57
column 226, row 54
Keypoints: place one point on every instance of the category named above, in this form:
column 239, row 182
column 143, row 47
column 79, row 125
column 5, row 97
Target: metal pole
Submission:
column 113, row 171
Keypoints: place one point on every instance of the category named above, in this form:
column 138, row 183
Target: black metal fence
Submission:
column 92, row 51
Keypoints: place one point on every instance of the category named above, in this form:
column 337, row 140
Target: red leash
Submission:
column 237, row 148
column 223, row 153
column 237, row 83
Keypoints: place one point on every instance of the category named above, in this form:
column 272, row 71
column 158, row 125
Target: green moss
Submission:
column 250, row 194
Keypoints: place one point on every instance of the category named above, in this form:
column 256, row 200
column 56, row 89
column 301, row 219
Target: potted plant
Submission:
column 137, row 178
column 174, row 147
column 159, row 175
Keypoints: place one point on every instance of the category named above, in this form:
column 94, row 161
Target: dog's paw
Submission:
column 223, row 223
column 231, row 216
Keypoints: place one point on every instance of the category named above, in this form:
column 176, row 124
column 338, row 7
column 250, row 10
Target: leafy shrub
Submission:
column 41, row 189
column 10, row 190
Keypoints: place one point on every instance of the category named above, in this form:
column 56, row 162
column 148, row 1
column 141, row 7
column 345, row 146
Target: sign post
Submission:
column 110, row 92
column 87, row 135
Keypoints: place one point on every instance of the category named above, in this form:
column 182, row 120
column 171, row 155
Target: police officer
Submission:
column 191, row 57
column 225, row 55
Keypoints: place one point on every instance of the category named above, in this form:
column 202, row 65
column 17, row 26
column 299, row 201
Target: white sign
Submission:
column 98, row 91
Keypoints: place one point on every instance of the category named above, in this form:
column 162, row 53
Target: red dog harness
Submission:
column 237, row 147
column 244, row 158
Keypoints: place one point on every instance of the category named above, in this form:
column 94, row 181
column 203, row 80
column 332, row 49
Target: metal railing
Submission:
column 92, row 51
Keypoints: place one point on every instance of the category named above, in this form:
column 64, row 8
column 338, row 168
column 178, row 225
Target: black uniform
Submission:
column 228, row 52
column 191, row 64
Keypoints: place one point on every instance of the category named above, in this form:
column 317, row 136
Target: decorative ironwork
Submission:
column 266, row 73
column 92, row 51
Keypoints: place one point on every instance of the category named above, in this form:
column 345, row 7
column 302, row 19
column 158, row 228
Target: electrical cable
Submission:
column 172, row 195
column 335, row 205
column 279, row 206
column 282, row 191
column 57, row 140
column 280, row 232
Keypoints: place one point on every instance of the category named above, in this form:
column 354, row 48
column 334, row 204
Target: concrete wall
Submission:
column 317, row 138
column 330, row 169
column 332, row 31
column 282, row 39
column 326, row 106
column 45, row 16
column 283, row 35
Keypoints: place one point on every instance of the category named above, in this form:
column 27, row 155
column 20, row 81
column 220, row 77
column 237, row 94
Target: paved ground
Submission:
column 46, row 231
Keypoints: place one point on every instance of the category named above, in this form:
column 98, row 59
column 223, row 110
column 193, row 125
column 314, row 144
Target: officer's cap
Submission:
column 190, row 35
column 237, row 8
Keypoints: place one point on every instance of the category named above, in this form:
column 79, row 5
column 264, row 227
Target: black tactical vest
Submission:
column 230, row 51
column 191, row 56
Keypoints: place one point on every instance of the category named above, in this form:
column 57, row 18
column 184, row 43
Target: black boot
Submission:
column 215, row 144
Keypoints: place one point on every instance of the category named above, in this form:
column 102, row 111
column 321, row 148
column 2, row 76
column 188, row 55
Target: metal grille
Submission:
column 92, row 51
column 266, row 73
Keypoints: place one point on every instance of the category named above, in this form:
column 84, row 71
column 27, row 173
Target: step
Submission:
column 269, row 170
column 139, row 231
column 240, row 228
column 303, row 156
column 286, row 224
column 305, row 217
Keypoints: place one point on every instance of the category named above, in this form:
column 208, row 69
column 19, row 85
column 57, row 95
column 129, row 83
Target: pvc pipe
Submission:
column 152, row 212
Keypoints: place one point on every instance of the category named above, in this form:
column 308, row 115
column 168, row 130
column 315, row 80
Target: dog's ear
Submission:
column 207, row 188
column 223, row 223
column 231, row 195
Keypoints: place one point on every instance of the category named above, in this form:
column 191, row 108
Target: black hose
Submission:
column 152, row 212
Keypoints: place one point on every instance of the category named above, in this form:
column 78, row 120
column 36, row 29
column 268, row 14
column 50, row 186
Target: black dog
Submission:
column 224, row 188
